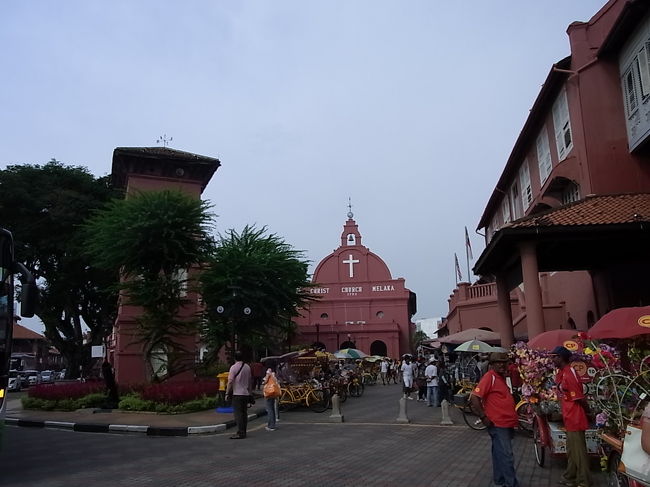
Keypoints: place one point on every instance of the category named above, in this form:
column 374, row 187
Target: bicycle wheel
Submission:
column 614, row 477
column 286, row 400
column 472, row 420
column 354, row 389
column 526, row 416
column 318, row 400
column 540, row 449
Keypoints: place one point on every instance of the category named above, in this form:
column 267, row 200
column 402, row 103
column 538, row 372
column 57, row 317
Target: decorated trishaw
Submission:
column 539, row 407
column 622, row 391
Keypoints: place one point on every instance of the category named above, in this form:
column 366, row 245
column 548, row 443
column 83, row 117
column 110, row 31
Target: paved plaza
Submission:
column 368, row 449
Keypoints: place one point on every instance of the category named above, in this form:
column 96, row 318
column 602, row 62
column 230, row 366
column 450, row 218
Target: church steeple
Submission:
column 350, row 236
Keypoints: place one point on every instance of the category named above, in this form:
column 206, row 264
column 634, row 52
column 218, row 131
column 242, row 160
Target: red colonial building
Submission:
column 360, row 305
column 567, row 224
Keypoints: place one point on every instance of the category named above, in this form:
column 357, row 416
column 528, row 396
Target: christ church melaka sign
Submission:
column 355, row 290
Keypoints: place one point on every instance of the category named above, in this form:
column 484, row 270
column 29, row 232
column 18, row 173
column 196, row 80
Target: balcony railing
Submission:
column 479, row 291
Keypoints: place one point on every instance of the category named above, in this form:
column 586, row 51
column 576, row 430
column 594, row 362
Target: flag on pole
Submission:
column 458, row 273
column 468, row 244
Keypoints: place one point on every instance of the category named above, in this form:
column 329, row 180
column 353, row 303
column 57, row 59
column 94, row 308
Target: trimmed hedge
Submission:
column 167, row 397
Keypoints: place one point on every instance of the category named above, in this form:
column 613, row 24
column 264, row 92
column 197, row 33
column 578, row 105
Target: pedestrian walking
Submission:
column 384, row 371
column 408, row 376
column 431, row 374
column 494, row 404
column 420, row 380
column 271, row 390
column 574, row 416
column 444, row 382
column 239, row 392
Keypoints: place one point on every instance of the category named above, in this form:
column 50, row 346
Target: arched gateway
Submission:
column 378, row 348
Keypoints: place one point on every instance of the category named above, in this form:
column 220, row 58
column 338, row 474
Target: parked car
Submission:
column 33, row 377
column 47, row 376
column 14, row 381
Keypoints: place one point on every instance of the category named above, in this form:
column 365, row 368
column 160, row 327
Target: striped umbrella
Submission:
column 351, row 353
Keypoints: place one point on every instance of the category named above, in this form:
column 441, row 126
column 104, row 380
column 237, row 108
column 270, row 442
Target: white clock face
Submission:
column 247, row 311
column 220, row 309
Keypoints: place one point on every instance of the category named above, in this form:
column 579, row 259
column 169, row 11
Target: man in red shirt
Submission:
column 574, row 415
column 494, row 404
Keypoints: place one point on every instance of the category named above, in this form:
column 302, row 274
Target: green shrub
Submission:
column 95, row 400
column 133, row 402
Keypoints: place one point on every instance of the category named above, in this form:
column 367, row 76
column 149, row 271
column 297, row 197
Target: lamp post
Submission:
column 318, row 333
column 230, row 312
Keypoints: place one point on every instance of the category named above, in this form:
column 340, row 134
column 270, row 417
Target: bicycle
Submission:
column 310, row 394
column 355, row 387
column 462, row 400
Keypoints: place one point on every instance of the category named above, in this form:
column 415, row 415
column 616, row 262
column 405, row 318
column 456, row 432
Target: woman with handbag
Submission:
column 271, row 390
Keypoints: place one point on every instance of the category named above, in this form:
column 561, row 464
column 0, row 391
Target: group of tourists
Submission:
column 424, row 379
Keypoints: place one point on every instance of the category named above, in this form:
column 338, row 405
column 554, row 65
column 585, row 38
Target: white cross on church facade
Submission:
column 351, row 263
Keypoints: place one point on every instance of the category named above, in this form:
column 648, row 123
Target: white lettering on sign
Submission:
column 352, row 289
column 382, row 288
column 320, row 290
column 351, row 263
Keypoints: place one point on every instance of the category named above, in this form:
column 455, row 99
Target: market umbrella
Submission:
column 353, row 353
column 622, row 323
column 472, row 334
column 554, row 338
column 342, row 355
column 474, row 346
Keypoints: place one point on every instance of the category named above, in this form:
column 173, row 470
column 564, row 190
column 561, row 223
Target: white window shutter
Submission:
column 543, row 156
column 644, row 70
column 557, row 127
column 526, row 190
column 506, row 209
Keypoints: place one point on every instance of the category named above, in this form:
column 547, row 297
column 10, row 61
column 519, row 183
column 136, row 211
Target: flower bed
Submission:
column 167, row 397
column 69, row 390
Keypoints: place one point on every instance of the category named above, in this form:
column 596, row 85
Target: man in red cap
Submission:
column 494, row 404
column 574, row 415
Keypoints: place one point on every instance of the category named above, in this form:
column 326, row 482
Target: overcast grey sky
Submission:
column 409, row 107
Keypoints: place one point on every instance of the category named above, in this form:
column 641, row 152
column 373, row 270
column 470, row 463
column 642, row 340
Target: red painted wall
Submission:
column 359, row 298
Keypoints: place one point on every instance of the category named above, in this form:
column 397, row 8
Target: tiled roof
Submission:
column 593, row 210
column 165, row 152
column 22, row 333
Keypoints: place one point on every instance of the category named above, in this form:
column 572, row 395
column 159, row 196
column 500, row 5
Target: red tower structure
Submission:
column 138, row 169
column 361, row 305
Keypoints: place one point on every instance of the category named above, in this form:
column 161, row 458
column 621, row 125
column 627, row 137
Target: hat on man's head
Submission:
column 433, row 360
column 563, row 352
column 498, row 357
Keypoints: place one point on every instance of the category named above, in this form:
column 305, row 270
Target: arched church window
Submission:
column 352, row 239
column 379, row 314
column 324, row 316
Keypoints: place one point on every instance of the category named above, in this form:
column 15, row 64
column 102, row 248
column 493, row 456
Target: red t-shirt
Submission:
column 515, row 376
column 573, row 414
column 498, row 403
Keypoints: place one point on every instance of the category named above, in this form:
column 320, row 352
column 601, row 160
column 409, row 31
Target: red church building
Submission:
column 360, row 305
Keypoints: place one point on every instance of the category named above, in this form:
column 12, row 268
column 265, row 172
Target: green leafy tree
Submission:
column 418, row 338
column 252, row 288
column 155, row 238
column 44, row 207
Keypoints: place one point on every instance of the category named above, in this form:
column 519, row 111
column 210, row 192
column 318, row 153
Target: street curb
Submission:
column 131, row 429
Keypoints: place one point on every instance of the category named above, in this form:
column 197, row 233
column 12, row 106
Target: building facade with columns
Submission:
column 359, row 303
column 572, row 204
